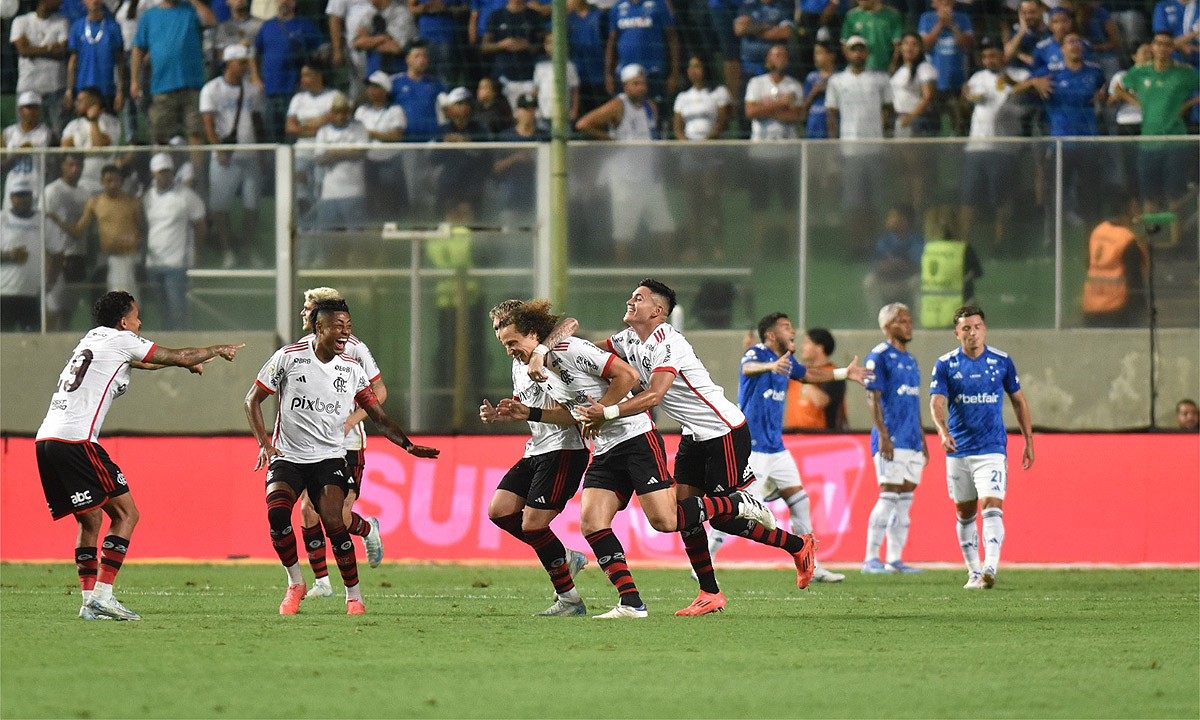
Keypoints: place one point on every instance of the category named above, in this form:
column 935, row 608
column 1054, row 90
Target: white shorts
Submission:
column 905, row 466
column 970, row 478
column 631, row 204
column 774, row 472
column 224, row 181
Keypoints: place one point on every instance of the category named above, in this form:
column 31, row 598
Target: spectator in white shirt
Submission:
column 28, row 132
column 702, row 113
column 175, row 223
column 543, row 86
column 40, row 38
column 385, row 123
column 774, row 106
column 914, row 81
column 92, row 128
column 231, row 107
column 63, row 202
column 21, row 229
column 344, row 180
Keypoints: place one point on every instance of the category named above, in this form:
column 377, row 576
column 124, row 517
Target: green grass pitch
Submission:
column 451, row 641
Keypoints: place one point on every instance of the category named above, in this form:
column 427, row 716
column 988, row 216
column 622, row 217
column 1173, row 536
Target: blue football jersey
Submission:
column 899, row 384
column 761, row 398
column 974, row 391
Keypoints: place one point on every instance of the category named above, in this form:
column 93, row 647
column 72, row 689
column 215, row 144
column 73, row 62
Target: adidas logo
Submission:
column 652, row 481
column 718, row 488
column 301, row 379
column 540, row 499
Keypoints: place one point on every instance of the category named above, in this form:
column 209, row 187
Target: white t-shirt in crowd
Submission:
column 220, row 98
column 859, row 99
column 699, row 108
column 543, row 86
column 305, row 106
column 991, row 116
column 346, row 178
column 41, row 75
column 763, row 87
column 66, row 203
column 169, row 218
column 381, row 120
column 80, row 132
column 907, row 92
column 17, row 232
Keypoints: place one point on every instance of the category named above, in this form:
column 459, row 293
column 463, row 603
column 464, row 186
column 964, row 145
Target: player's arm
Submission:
column 192, row 356
column 853, row 371
column 650, row 397
column 390, row 429
column 1025, row 422
column 253, row 407
column 512, row 409
column 875, row 405
column 781, row 365
column 937, row 408
column 565, row 328
column 359, row 414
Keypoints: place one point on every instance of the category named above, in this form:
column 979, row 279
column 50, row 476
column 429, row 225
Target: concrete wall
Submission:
column 1074, row 380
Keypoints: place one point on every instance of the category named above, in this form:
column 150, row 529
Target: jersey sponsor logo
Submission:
column 339, row 384
column 631, row 23
column 908, row 390
column 81, row 498
column 301, row 360
column 585, row 364
column 60, row 404
column 983, row 398
column 301, row 402
column 342, row 368
column 776, row 395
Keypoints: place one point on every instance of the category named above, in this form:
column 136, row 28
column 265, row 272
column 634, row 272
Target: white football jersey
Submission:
column 577, row 370
column 97, row 372
column 315, row 398
column 693, row 400
column 356, row 439
column 547, row 437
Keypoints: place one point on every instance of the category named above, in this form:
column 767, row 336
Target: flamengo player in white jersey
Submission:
column 713, row 455
column 355, row 444
column 536, row 489
column 628, row 456
column 970, row 379
column 897, row 441
column 77, row 475
column 318, row 386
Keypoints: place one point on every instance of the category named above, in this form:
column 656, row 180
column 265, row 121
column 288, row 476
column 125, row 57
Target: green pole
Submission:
column 560, row 132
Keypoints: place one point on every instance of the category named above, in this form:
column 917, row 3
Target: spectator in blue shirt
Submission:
column 587, row 28
column 721, row 15
column 824, row 59
column 283, row 44
column 1029, row 30
column 895, row 274
column 1048, row 53
column 761, row 24
column 439, row 23
column 170, row 35
column 819, row 21
column 97, row 54
column 1099, row 31
column 513, row 41
column 417, row 93
column 642, row 32
column 1173, row 16
column 947, row 36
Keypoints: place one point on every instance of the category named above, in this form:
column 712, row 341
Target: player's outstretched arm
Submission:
column 253, row 407
column 781, row 365
column 853, row 371
column 392, row 431
column 1025, row 421
column 565, row 328
column 191, row 357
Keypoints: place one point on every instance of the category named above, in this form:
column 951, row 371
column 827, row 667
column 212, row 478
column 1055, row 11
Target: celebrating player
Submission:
column 766, row 369
column 970, row 379
column 77, row 475
column 628, row 456
column 897, row 442
column 355, row 443
column 714, row 451
column 536, row 489
column 319, row 385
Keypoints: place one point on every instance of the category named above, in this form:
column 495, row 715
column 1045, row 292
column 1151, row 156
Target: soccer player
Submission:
column 355, row 443
column 766, row 369
column 628, row 455
column 318, row 385
column 77, row 475
column 536, row 489
column 965, row 399
column 897, row 442
column 714, row 452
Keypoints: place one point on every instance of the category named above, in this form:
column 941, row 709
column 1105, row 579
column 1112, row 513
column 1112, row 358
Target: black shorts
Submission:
column 638, row 465
column 355, row 464
column 547, row 481
column 77, row 476
column 719, row 466
column 310, row 477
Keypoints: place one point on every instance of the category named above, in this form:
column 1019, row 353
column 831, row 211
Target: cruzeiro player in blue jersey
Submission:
column 897, row 442
column 969, row 380
column 766, row 368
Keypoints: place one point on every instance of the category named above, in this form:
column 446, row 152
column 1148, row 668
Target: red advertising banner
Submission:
column 1088, row 499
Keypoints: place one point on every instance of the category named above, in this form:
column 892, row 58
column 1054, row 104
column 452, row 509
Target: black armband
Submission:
column 535, row 414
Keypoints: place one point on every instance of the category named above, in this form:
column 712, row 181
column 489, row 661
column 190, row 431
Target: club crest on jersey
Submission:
column 339, row 384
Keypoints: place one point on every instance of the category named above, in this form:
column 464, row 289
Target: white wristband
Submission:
column 611, row 412
column 839, row 373
column 541, row 350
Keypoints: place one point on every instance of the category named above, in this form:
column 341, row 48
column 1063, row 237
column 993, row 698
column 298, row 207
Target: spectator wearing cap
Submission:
column 774, row 106
column 543, row 86
column 232, row 108
column 92, row 128
column 174, row 226
column 28, row 132
column 284, row 47
column 240, row 29
column 342, row 202
column 858, row 105
column 439, row 24
column 492, row 108
column 513, row 41
column 385, row 123
column 632, row 173
column 96, row 57
column 40, row 38
column 170, row 35
column 762, row 24
column 642, row 32
column 1029, row 30
column 21, row 228
column 382, row 34
column 880, row 26
column 948, row 40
